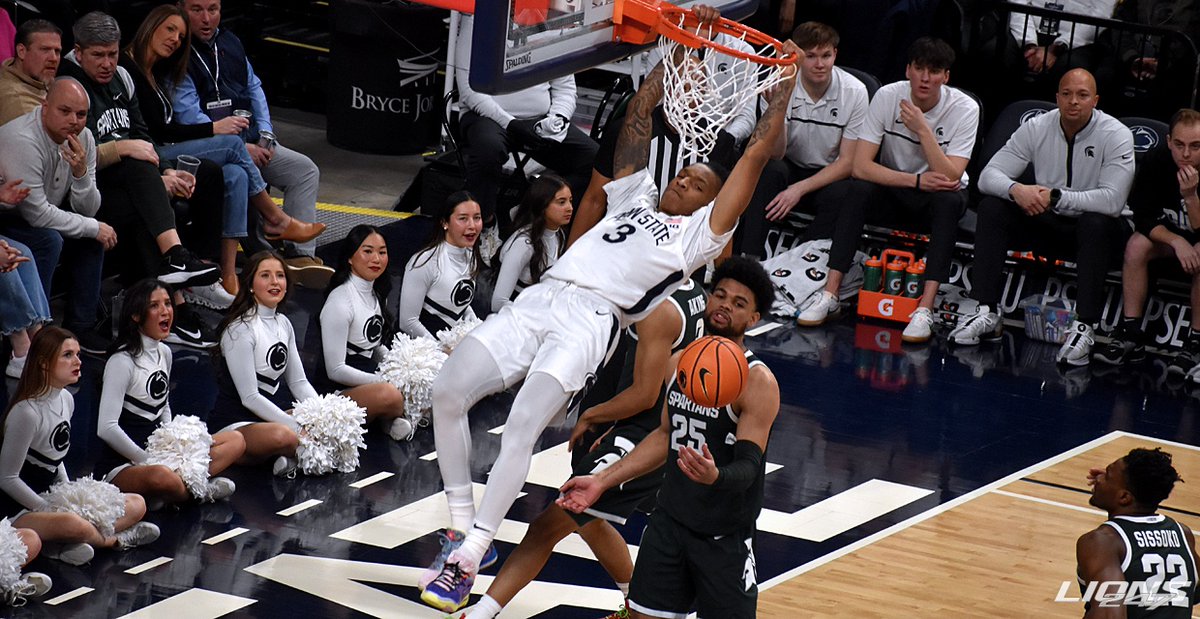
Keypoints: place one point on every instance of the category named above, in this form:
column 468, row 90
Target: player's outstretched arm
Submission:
column 1099, row 553
column 633, row 144
column 765, row 143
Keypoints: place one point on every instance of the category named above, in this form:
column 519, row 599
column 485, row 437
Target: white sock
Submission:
column 462, row 507
column 624, row 587
column 487, row 608
column 470, row 554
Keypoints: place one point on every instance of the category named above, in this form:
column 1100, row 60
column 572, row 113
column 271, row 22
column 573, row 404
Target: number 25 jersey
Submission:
column 636, row 255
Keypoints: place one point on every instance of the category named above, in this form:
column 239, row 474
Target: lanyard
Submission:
column 214, row 74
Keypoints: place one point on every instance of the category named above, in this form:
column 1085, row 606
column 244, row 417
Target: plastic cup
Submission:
column 187, row 163
column 247, row 114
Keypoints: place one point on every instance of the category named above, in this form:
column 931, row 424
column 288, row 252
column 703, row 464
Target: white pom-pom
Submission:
column 410, row 365
column 331, row 433
column 183, row 445
column 12, row 556
column 450, row 338
column 97, row 502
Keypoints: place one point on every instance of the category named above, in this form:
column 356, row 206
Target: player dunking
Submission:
column 1151, row 552
column 697, row 553
column 559, row 330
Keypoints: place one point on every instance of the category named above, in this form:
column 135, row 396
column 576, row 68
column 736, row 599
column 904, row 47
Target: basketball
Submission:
column 712, row 371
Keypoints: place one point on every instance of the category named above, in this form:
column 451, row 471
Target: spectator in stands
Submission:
column 923, row 132
column 220, row 81
column 1052, row 46
column 536, row 120
column 53, row 152
column 1082, row 164
column 156, row 59
column 25, row 78
column 1166, row 214
column 24, row 307
column 827, row 112
column 1154, row 73
column 134, row 197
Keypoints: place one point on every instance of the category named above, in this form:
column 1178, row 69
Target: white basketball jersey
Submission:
column 636, row 256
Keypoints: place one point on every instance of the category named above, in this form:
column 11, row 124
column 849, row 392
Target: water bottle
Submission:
column 872, row 274
column 912, row 279
column 893, row 281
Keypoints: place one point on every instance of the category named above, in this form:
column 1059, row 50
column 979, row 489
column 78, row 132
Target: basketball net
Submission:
column 705, row 85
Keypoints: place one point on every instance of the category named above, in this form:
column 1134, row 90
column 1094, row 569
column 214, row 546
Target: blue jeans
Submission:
column 23, row 302
column 242, row 178
column 82, row 260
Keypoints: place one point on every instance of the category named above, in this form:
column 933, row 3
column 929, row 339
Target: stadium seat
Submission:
column 1148, row 134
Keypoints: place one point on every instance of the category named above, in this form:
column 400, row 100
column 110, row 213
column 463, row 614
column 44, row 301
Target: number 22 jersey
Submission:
column 636, row 255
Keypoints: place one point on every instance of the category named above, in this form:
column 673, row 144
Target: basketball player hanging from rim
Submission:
column 559, row 330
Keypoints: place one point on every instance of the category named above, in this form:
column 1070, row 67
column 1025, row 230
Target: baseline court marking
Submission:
column 230, row 534
column 299, row 507
column 149, row 565
column 367, row 481
column 68, row 596
column 192, row 604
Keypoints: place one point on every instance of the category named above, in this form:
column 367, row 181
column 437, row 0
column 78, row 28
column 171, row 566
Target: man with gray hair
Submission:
column 51, row 150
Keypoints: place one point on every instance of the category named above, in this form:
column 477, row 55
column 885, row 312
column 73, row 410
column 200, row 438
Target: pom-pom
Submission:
column 331, row 433
column 449, row 338
column 183, row 445
column 12, row 556
column 410, row 365
column 97, row 502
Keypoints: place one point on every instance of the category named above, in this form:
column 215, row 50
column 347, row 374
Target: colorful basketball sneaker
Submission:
column 450, row 590
column 451, row 539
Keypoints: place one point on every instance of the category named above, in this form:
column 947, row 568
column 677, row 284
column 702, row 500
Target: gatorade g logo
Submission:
column 883, row 339
column 156, row 385
column 60, row 439
column 885, row 307
column 464, row 290
column 815, row 274
column 277, row 356
column 781, row 273
column 373, row 330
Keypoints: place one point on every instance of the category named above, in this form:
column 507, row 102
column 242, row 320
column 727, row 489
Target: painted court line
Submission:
column 68, row 596
column 299, row 507
column 367, row 481
column 230, row 534
column 192, row 604
column 430, row 457
column 842, row 511
column 1052, row 503
column 767, row 328
column 944, row 507
column 149, row 565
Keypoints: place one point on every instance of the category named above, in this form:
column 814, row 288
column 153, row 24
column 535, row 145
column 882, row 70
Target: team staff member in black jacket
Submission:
column 1166, row 213
column 1082, row 163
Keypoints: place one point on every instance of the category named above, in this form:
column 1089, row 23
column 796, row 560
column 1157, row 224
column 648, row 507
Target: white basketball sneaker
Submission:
column 984, row 324
column 1077, row 348
column 920, row 326
column 818, row 307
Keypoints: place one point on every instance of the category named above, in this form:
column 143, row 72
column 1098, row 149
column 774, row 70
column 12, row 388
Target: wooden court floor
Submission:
column 1001, row 551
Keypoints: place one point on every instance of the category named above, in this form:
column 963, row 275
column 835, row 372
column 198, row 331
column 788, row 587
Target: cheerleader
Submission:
column 37, row 436
column 439, row 280
column 354, row 322
column 260, row 374
column 133, row 404
column 538, row 241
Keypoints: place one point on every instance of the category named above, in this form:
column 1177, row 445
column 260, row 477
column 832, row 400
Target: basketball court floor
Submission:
column 902, row 482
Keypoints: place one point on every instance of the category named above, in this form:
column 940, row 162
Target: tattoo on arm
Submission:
column 772, row 118
column 633, row 145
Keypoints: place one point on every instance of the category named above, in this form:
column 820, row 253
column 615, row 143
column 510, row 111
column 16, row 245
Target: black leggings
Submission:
column 1093, row 241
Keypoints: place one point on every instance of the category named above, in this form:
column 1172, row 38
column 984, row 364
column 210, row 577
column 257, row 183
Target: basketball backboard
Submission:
column 520, row 43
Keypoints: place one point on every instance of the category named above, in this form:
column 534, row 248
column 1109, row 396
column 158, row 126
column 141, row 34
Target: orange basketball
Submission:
column 712, row 371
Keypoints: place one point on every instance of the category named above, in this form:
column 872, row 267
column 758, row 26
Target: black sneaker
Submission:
column 181, row 268
column 1123, row 347
column 1185, row 359
column 95, row 340
column 188, row 330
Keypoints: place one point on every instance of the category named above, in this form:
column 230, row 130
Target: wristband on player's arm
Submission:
column 737, row 475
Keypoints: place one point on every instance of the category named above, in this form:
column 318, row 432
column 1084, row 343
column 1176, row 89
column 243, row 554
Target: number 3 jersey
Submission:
column 1158, row 565
column 636, row 255
column 699, row 507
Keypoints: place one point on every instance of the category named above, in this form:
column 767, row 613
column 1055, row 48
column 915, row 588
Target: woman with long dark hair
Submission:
column 37, row 436
column 133, row 403
column 157, row 59
column 355, row 321
column 260, row 373
column 439, row 280
column 538, row 241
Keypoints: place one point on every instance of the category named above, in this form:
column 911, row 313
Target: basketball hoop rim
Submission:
column 637, row 20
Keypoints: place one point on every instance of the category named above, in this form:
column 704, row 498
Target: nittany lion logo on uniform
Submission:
column 1029, row 115
column 277, row 356
column 60, row 439
column 1144, row 138
column 464, row 290
column 156, row 385
column 373, row 330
